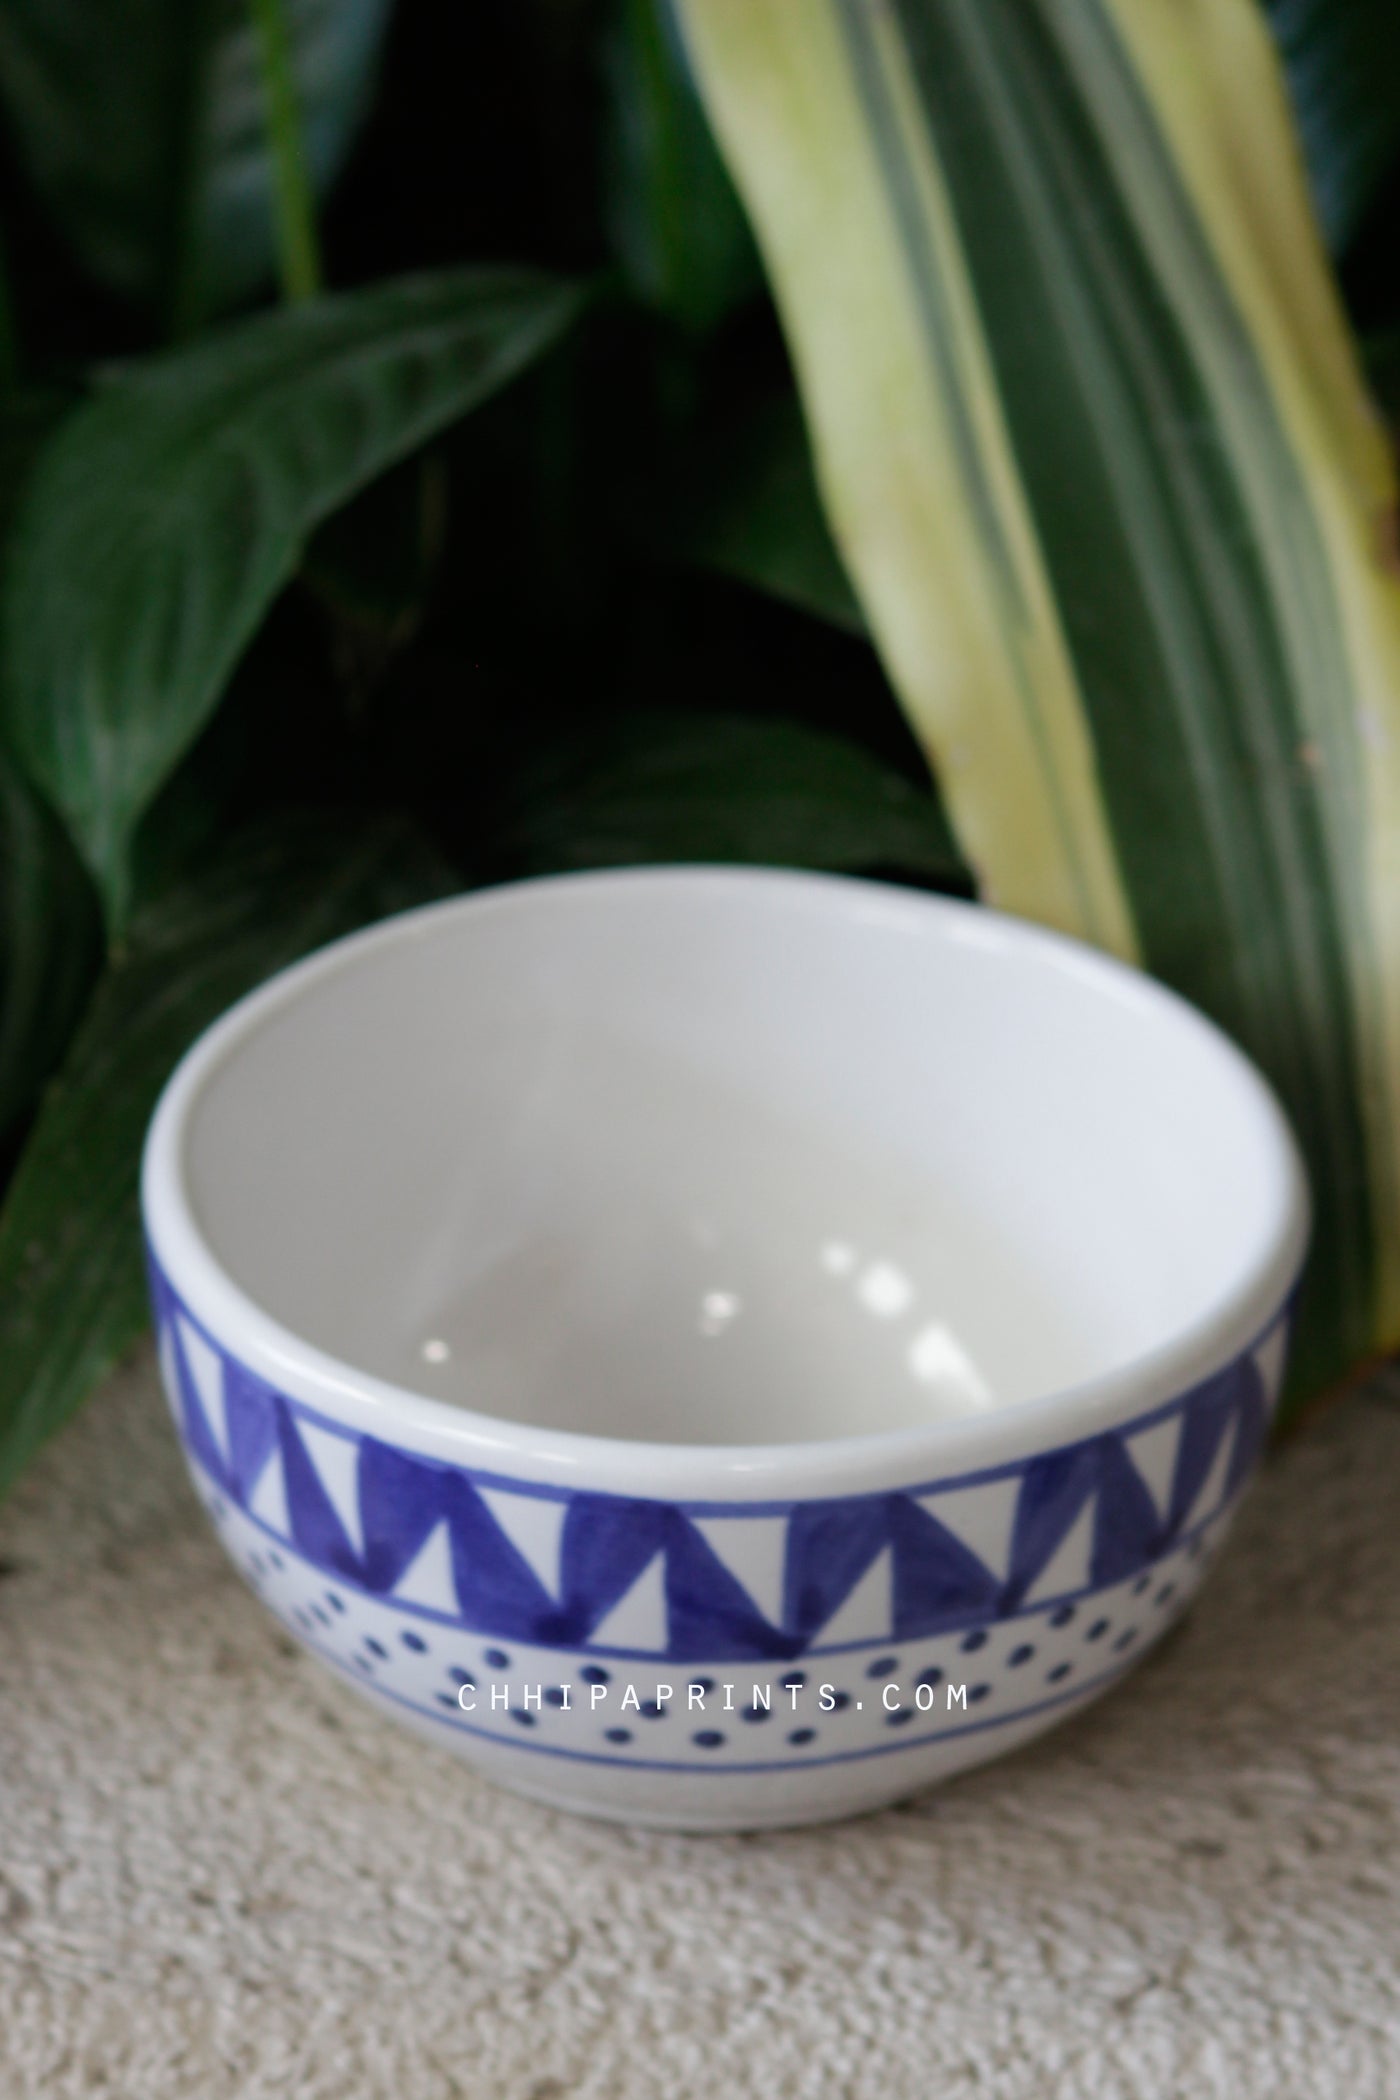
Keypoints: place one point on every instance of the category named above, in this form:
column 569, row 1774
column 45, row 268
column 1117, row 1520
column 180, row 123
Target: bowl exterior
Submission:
column 708, row 1664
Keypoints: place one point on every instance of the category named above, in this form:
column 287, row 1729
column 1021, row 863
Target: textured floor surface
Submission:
column 221, row 1875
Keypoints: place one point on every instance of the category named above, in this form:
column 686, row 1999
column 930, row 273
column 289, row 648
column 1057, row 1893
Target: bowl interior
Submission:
column 711, row 1158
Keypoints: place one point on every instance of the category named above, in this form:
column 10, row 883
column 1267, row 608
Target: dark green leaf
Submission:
column 1382, row 356
column 72, row 1299
column 170, row 510
column 50, row 944
column 294, row 198
column 373, row 564
column 142, row 126
column 714, row 787
column 50, row 926
column 28, row 419
column 760, row 519
column 1343, row 64
column 677, row 226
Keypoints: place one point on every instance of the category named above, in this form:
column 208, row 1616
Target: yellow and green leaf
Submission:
column 1093, row 442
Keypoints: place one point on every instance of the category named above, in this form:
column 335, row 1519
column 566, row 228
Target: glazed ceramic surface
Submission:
column 720, row 1348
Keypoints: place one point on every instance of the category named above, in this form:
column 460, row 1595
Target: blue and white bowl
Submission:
column 720, row 1349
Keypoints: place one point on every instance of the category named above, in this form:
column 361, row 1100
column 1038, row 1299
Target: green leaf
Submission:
column 50, row 924
column 758, row 517
column 50, row 944
column 171, row 509
column 715, row 787
column 373, row 565
column 142, row 125
column 1382, row 355
column 294, row 200
column 72, row 1296
column 676, row 224
column 1343, row 64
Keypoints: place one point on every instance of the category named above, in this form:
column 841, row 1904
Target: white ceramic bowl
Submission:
column 853, row 1311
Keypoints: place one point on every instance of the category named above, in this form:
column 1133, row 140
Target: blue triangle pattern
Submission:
column 495, row 1583
column 709, row 1612
column 830, row 1547
column 401, row 1500
column 198, row 1435
column 316, row 1529
column 1252, row 1425
column 251, row 1410
column 938, row 1583
column 1054, row 1489
column 1209, row 1410
column 1127, row 1529
column 608, row 1541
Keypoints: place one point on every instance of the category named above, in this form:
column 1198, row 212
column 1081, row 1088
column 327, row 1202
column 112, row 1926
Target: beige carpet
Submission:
column 222, row 1875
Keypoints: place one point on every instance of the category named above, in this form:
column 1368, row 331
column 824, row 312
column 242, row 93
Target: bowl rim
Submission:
column 1237, row 1321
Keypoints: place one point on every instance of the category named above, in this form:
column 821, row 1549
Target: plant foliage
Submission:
column 403, row 486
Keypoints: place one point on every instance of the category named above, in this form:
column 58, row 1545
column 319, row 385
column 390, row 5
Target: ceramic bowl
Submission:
column 720, row 1348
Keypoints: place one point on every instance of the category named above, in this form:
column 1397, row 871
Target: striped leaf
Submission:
column 1092, row 440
